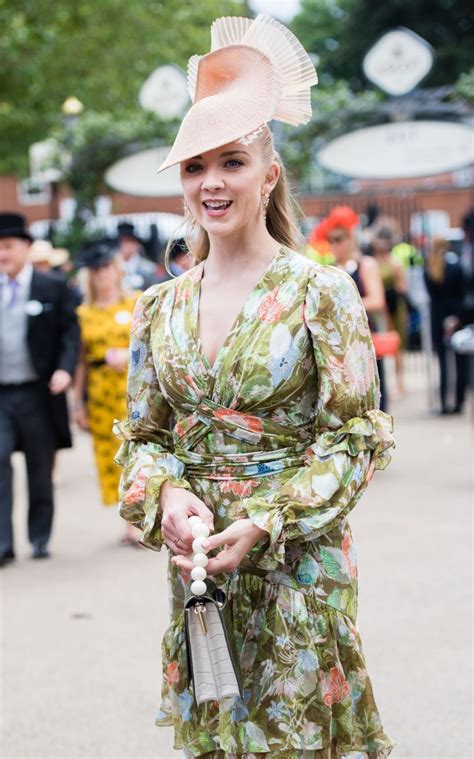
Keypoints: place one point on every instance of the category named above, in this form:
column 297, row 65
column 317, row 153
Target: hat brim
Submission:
column 85, row 262
column 59, row 257
column 14, row 232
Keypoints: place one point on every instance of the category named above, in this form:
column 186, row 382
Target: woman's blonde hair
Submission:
column 87, row 286
column 435, row 260
column 282, row 216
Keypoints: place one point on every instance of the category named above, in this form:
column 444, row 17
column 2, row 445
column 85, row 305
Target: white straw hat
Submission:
column 256, row 71
column 41, row 251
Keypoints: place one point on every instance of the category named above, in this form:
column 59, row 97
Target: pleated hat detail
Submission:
column 257, row 71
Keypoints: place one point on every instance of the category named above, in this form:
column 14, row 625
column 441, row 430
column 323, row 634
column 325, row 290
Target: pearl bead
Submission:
column 198, row 573
column 200, row 530
column 197, row 545
column 193, row 521
column 198, row 587
column 200, row 560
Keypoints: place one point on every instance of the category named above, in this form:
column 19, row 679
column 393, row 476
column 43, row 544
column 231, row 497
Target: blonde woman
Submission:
column 253, row 403
column 100, row 383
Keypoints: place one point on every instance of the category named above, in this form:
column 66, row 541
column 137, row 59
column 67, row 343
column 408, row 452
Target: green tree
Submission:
column 89, row 145
column 101, row 52
column 340, row 32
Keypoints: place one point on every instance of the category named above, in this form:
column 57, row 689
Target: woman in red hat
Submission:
column 339, row 230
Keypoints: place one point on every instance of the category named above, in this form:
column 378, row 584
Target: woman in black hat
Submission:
column 104, row 318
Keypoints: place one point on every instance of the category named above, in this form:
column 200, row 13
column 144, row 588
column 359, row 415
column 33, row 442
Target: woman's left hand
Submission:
column 237, row 540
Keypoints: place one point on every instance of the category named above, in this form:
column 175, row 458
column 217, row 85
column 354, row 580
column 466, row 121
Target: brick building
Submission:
column 398, row 198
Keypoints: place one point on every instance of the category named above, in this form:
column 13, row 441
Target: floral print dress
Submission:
column 281, row 430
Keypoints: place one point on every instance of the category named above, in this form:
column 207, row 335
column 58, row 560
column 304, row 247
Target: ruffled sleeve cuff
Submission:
column 146, row 468
column 371, row 432
column 323, row 491
column 270, row 550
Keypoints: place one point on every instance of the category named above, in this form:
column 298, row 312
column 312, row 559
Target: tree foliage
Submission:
column 335, row 110
column 100, row 52
column 340, row 32
column 89, row 144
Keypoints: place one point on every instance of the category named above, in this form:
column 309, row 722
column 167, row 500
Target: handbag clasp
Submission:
column 200, row 610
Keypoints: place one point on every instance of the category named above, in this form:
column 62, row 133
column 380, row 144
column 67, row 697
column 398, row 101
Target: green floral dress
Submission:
column 281, row 430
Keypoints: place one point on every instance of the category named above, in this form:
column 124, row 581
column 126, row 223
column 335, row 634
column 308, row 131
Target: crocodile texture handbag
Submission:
column 213, row 665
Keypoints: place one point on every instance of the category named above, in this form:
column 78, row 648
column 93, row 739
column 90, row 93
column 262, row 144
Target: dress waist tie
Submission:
column 248, row 429
column 241, row 465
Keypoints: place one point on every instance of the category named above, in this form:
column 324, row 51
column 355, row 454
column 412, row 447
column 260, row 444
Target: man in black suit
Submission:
column 39, row 345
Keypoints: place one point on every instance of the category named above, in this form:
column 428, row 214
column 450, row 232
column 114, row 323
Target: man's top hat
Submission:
column 14, row 225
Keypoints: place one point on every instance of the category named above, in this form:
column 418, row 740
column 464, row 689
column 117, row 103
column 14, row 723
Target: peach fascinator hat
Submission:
column 256, row 71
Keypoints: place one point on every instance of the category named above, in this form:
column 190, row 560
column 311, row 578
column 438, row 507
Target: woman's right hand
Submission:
column 177, row 504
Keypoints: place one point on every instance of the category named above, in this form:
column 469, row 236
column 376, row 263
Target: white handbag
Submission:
column 213, row 665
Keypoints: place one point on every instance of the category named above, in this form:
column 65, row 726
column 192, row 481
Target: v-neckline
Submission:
column 236, row 323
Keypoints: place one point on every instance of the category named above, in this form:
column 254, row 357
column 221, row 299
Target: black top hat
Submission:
column 14, row 225
column 96, row 254
column 126, row 229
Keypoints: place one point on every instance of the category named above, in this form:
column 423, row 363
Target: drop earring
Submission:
column 265, row 202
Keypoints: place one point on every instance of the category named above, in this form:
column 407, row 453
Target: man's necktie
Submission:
column 13, row 286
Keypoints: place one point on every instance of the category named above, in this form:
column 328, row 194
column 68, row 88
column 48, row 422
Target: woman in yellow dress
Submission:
column 101, row 377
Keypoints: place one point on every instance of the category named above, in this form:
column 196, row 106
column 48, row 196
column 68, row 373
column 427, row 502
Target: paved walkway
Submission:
column 81, row 633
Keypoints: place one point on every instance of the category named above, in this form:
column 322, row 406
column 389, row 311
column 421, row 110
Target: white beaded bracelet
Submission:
column 200, row 532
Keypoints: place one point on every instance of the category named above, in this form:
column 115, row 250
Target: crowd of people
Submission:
column 59, row 335
column 65, row 324
column 62, row 333
column 250, row 394
column 380, row 264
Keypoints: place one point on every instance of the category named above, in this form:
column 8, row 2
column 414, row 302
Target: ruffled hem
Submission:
column 330, row 753
column 306, row 689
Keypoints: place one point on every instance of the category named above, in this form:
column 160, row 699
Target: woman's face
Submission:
column 224, row 187
column 341, row 242
column 105, row 277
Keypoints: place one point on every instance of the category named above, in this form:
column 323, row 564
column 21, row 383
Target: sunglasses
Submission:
column 335, row 239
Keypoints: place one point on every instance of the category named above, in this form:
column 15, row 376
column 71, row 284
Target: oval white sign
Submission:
column 404, row 149
column 137, row 175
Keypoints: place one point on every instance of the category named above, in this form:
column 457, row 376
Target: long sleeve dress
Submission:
column 281, row 430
